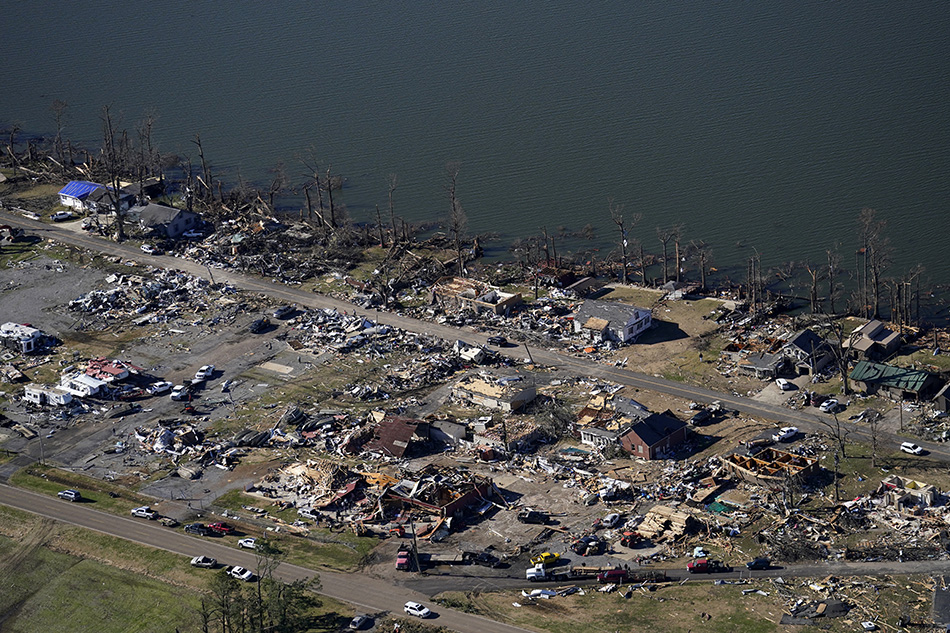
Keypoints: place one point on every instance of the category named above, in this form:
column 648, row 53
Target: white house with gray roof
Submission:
column 612, row 321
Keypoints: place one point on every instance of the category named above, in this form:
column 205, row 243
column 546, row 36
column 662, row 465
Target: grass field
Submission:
column 56, row 577
column 48, row 480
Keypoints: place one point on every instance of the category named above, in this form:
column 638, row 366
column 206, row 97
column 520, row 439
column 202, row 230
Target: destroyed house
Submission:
column 443, row 492
column 75, row 192
column 511, row 434
column 102, row 200
column 109, row 370
column 611, row 321
column 897, row 382
column 807, row 352
column 770, row 466
column 22, row 339
column 903, row 493
column 873, row 341
column 505, row 393
column 458, row 292
column 82, row 385
column 655, row 436
column 165, row 221
column 605, row 419
column 392, row 436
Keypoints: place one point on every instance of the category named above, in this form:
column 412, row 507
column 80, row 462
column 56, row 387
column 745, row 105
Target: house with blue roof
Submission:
column 75, row 193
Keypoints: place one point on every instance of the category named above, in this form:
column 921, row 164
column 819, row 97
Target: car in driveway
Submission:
column 204, row 561
column 783, row 384
column 69, row 495
column 240, row 573
column 248, row 543
column 416, row 609
column 785, row 434
column 359, row 621
column 61, row 216
column 204, row 372
column 913, row 449
column 159, row 387
column 145, row 512
column 829, row 406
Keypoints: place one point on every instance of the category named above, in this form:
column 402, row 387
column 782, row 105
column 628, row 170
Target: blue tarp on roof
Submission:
column 78, row 189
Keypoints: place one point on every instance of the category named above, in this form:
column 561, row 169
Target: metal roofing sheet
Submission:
column 78, row 188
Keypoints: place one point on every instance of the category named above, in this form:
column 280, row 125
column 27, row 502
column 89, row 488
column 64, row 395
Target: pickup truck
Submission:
column 707, row 566
column 404, row 558
column 532, row 516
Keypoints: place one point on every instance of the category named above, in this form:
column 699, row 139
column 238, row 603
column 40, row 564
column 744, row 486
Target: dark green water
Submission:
column 757, row 125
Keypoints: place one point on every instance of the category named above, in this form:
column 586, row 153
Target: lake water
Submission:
column 763, row 126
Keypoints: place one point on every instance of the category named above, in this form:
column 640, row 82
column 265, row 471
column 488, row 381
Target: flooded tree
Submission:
column 623, row 225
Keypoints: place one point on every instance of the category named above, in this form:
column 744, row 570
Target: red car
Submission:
column 221, row 528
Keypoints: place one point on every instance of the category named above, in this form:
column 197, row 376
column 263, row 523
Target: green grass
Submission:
column 46, row 479
column 323, row 548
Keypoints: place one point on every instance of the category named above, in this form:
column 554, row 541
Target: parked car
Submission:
column 159, row 387
column 590, row 545
column 500, row 341
column 69, row 495
column 248, row 543
column 359, row 621
column 61, row 216
column 611, row 520
column 785, row 434
column 546, row 558
column 145, row 512
column 829, row 406
column 612, row 575
column 258, row 325
column 701, row 417
column 221, row 528
column 148, row 249
column 759, row 563
column 416, row 609
column 817, row 398
column 913, row 449
column 204, row 561
column 404, row 558
column 197, row 528
column 284, row 312
column 192, row 235
column 783, row 384
column 180, row 392
column 240, row 573
column 308, row 513
column 204, row 372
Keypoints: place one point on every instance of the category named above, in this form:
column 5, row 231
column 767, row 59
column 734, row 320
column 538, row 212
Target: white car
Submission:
column 785, row 434
column 61, row 216
column 611, row 520
column 179, row 392
column 783, row 384
column 159, row 387
column 145, row 512
column 416, row 609
column 204, row 561
column 148, row 249
column 248, row 543
column 913, row 449
column 829, row 406
column 204, row 372
column 241, row 574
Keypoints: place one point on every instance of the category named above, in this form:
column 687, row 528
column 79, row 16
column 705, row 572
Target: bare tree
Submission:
column 677, row 237
column 205, row 180
column 392, row 209
column 623, row 225
column 58, row 108
column 458, row 221
column 665, row 235
column 704, row 254
column 877, row 256
column 816, row 274
column 834, row 267
column 114, row 166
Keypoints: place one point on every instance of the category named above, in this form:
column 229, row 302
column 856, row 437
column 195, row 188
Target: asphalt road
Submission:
column 807, row 421
column 365, row 593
